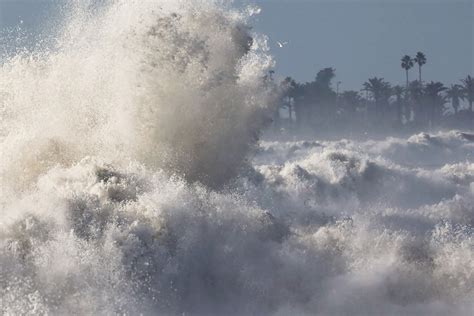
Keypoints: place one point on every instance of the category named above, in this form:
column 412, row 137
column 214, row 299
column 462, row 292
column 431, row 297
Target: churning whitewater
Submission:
column 132, row 182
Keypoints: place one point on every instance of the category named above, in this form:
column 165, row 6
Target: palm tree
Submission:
column 455, row 93
column 398, row 92
column 434, row 99
column 468, row 90
column 416, row 100
column 380, row 90
column 351, row 100
column 289, row 85
column 420, row 59
column 407, row 64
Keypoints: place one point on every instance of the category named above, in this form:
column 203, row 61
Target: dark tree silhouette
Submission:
column 407, row 64
column 289, row 86
column 315, row 107
column 468, row 90
column 380, row 91
column 398, row 91
column 455, row 94
column 434, row 100
column 325, row 76
column 350, row 101
column 415, row 90
column 420, row 59
column 318, row 103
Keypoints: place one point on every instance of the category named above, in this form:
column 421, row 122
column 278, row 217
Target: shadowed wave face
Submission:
column 127, row 185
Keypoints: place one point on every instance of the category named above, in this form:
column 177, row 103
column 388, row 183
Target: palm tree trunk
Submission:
column 470, row 109
column 406, row 70
column 399, row 111
column 434, row 114
column 407, row 106
column 419, row 73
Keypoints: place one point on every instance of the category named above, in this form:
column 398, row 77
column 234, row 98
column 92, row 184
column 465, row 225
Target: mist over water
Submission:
column 132, row 182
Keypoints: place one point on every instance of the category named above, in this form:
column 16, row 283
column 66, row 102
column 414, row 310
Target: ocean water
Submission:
column 132, row 182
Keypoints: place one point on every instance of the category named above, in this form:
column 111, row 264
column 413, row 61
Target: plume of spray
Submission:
column 126, row 94
column 176, row 85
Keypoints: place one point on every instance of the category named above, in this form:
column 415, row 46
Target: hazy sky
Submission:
column 366, row 38
column 360, row 38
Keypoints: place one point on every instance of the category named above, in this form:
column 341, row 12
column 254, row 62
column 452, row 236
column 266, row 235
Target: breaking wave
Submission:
column 175, row 85
column 127, row 186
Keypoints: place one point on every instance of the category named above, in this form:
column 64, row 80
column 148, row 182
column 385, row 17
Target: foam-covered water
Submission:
column 126, row 188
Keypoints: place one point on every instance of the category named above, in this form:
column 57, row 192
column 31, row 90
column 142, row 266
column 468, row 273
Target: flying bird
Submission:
column 282, row 44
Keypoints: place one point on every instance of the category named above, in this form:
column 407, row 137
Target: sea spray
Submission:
column 114, row 140
column 173, row 85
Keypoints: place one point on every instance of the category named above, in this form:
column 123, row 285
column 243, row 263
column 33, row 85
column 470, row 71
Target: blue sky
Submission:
column 360, row 38
column 366, row 38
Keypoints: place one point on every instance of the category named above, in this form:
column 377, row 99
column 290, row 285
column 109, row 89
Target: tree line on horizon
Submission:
column 379, row 105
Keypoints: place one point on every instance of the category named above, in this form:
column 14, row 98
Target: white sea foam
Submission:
column 145, row 80
column 116, row 145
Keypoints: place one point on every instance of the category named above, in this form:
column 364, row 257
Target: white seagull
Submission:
column 282, row 44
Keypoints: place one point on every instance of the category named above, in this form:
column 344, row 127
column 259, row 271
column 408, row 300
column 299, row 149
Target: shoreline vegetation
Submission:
column 378, row 108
